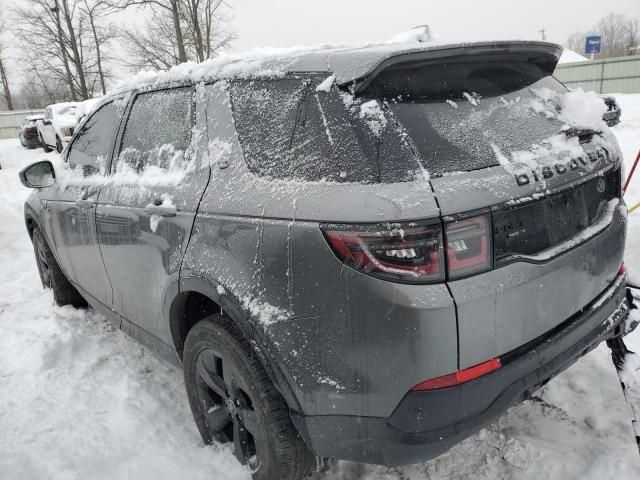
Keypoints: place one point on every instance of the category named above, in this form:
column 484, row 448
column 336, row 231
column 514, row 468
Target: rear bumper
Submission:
column 426, row 424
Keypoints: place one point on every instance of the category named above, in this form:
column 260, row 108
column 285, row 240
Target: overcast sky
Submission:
column 300, row 22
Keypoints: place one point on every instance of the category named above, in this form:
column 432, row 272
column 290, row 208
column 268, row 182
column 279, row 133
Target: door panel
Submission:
column 73, row 211
column 146, row 211
column 73, row 231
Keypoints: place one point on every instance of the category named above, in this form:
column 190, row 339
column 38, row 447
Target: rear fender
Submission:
column 230, row 306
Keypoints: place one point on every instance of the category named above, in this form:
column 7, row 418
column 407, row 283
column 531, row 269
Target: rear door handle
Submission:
column 85, row 202
column 162, row 210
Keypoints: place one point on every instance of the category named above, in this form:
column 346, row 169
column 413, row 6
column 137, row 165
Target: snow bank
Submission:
column 569, row 56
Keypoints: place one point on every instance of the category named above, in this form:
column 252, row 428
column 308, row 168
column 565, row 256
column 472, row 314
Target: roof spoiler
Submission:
column 545, row 54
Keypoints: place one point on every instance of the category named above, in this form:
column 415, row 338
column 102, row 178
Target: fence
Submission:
column 9, row 121
column 612, row 75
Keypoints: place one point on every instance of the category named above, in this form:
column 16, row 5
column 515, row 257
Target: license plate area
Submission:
column 530, row 229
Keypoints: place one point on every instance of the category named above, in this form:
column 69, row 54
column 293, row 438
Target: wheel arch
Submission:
column 198, row 298
column 31, row 221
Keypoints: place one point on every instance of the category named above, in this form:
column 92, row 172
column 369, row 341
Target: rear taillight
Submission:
column 405, row 253
column 468, row 246
column 459, row 377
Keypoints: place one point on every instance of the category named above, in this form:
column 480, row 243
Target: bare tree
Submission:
column 6, row 92
column 632, row 35
column 206, row 20
column 38, row 91
column 576, row 42
column 94, row 9
column 179, row 30
column 161, row 9
column 620, row 36
column 154, row 45
column 62, row 42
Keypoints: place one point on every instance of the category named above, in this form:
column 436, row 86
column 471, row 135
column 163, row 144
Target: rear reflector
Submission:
column 622, row 270
column 460, row 377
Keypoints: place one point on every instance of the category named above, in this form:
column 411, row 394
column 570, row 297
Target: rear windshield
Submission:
column 438, row 118
column 290, row 130
column 457, row 114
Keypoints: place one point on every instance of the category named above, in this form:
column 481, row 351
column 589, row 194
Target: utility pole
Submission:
column 543, row 32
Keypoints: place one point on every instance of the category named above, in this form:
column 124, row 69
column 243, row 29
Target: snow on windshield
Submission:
column 574, row 109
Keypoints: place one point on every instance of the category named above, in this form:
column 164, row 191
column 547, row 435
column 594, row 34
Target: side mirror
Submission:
column 46, row 122
column 38, row 175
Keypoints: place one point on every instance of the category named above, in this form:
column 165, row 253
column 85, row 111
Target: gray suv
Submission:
column 333, row 247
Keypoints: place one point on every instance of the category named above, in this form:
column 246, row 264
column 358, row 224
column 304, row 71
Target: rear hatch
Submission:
column 504, row 141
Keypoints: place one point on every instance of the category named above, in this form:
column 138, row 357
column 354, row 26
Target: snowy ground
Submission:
column 79, row 400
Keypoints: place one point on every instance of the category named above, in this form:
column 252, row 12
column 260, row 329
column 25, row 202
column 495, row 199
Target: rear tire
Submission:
column 51, row 275
column 234, row 401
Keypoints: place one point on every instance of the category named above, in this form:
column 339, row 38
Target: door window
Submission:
column 158, row 130
column 91, row 147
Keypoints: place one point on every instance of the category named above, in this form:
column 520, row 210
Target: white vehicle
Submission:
column 57, row 127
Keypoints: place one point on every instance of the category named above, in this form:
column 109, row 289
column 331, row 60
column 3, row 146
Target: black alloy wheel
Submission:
column 231, row 417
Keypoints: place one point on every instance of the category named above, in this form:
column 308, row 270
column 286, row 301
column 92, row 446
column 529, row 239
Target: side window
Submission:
column 158, row 130
column 288, row 130
column 266, row 114
column 91, row 146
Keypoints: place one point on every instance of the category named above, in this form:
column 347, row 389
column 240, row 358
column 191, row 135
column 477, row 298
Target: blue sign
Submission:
column 593, row 44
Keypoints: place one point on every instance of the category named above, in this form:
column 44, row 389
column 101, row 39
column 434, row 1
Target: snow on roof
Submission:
column 347, row 63
column 569, row 56
column 421, row 34
column 87, row 106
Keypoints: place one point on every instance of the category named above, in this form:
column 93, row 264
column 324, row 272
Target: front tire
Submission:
column 51, row 275
column 234, row 401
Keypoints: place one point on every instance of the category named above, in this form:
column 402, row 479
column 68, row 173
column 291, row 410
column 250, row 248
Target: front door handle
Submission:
column 85, row 202
column 161, row 210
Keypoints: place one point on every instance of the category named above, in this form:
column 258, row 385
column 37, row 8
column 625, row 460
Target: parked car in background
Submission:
column 60, row 121
column 28, row 131
column 614, row 112
column 342, row 256
column 57, row 127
